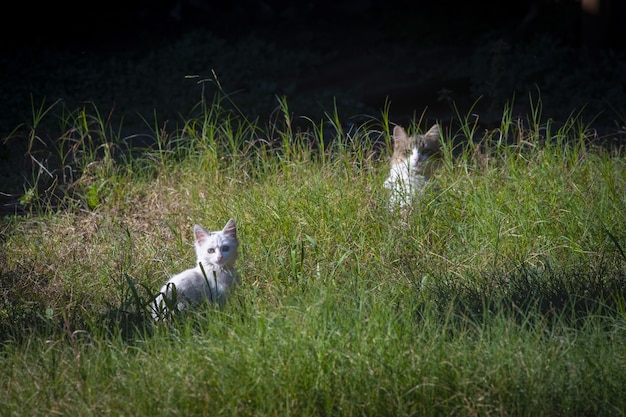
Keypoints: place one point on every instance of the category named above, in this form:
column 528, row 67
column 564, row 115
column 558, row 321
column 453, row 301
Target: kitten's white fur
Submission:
column 410, row 170
column 216, row 253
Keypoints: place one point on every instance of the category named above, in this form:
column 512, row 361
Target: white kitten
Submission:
column 216, row 253
column 412, row 163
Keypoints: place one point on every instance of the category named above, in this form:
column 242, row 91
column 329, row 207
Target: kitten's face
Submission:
column 217, row 248
column 417, row 152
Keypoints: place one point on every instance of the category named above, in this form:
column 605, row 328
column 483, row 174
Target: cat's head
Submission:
column 419, row 152
column 218, row 248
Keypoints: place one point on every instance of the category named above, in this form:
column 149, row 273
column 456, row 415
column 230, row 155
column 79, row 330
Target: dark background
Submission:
column 431, row 60
column 420, row 56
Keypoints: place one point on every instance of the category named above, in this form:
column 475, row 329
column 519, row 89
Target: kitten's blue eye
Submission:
column 211, row 250
column 225, row 248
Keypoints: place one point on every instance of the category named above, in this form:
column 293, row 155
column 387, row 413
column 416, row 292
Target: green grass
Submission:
column 502, row 293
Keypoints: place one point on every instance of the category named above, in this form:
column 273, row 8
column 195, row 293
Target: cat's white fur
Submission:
column 216, row 253
column 411, row 165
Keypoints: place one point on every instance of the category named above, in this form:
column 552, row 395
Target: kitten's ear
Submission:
column 433, row 133
column 200, row 234
column 398, row 133
column 230, row 229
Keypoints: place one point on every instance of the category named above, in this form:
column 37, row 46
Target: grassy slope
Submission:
column 502, row 294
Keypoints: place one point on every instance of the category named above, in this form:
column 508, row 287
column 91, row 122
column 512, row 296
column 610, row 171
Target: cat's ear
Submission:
column 399, row 134
column 433, row 133
column 230, row 229
column 200, row 234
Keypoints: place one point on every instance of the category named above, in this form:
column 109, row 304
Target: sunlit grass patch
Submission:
column 501, row 293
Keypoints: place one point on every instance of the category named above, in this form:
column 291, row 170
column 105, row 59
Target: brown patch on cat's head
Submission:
column 429, row 144
column 402, row 143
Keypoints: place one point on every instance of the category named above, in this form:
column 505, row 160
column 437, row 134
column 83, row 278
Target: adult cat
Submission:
column 412, row 163
column 213, row 277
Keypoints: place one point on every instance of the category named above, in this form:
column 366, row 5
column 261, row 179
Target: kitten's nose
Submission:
column 219, row 256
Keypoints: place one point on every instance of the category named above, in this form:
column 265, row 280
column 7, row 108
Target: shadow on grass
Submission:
column 564, row 296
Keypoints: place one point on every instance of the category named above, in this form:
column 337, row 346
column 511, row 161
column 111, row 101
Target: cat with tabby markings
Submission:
column 413, row 161
column 213, row 277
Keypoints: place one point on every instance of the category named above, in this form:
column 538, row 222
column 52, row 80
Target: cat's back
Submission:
column 196, row 286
